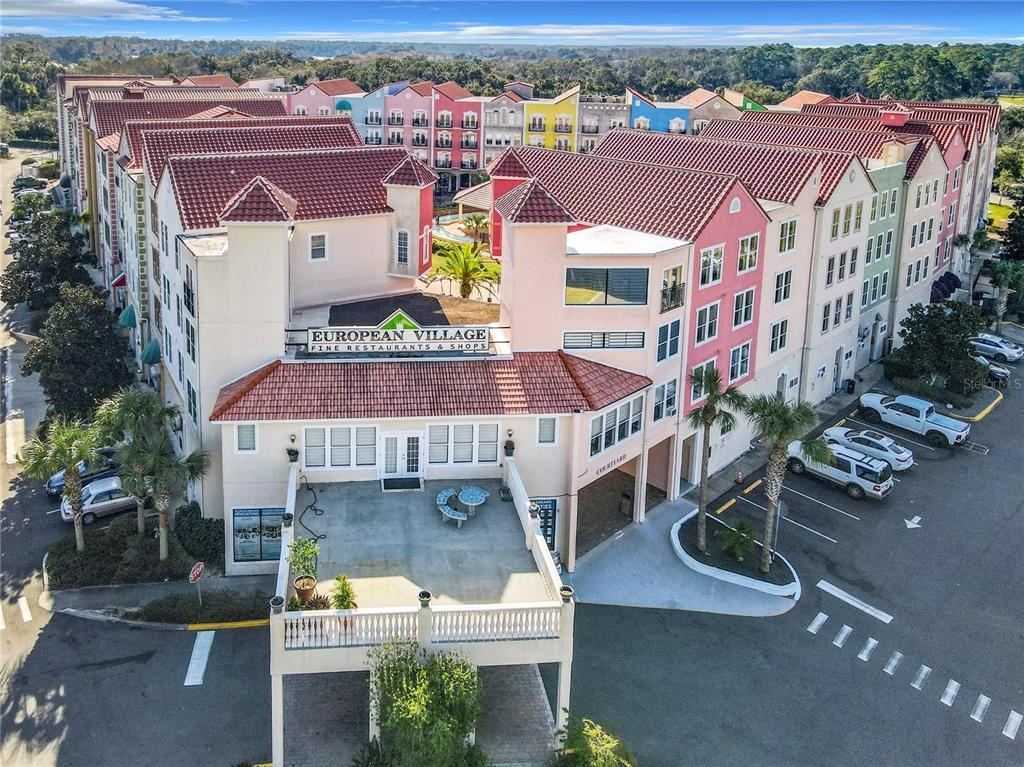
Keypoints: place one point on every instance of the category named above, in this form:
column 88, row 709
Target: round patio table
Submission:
column 471, row 497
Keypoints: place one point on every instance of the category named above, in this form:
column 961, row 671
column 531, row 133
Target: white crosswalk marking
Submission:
column 26, row 614
column 200, row 654
column 922, row 675
column 842, row 636
column 951, row 690
column 817, row 623
column 894, row 661
column 868, row 649
column 1012, row 725
column 980, row 708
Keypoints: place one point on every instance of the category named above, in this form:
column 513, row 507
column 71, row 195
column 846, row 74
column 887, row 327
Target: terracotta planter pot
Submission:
column 305, row 586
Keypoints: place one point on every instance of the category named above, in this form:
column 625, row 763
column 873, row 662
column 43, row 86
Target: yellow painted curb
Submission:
column 229, row 625
column 983, row 413
column 840, row 422
column 725, row 506
column 752, row 486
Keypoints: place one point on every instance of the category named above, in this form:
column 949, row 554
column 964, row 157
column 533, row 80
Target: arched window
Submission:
column 734, row 206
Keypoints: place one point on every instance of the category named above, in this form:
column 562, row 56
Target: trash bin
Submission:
column 851, row 386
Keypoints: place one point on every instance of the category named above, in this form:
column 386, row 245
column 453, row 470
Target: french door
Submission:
column 401, row 456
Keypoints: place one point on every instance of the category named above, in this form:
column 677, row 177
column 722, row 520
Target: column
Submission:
column 571, row 518
column 640, row 486
column 277, row 718
column 675, row 464
column 374, row 728
column 565, row 664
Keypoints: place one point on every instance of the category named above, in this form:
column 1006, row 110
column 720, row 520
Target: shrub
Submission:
column 67, row 569
column 141, row 561
column 293, row 604
column 587, row 744
column 897, row 365
column 318, row 602
column 218, row 605
column 343, row 596
column 739, row 541
column 372, row 755
column 202, row 538
column 937, row 394
column 48, row 169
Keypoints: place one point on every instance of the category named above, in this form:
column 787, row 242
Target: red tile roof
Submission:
column 340, row 86
column 670, row 202
column 424, row 88
column 800, row 98
column 771, row 172
column 696, row 97
column 978, row 120
column 218, row 113
column 220, row 80
column 158, row 145
column 326, row 183
column 110, row 116
column 529, row 382
column 411, row 172
column 260, row 200
column 452, row 90
column 134, row 129
column 508, row 165
column 994, row 111
column 531, row 203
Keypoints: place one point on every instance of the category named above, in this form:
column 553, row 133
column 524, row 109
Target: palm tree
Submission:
column 165, row 473
column 778, row 423
column 717, row 407
column 466, row 264
column 68, row 443
column 1006, row 277
column 129, row 417
column 978, row 245
column 476, row 226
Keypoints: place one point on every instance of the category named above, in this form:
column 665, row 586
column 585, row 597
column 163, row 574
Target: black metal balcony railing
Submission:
column 469, row 124
column 468, row 145
column 563, row 128
column 394, row 140
column 396, row 120
column 589, row 129
column 672, row 296
column 443, row 143
column 419, row 141
column 443, row 164
column 537, row 127
column 420, row 122
column 444, row 123
column 372, row 139
column 468, row 165
column 372, row 120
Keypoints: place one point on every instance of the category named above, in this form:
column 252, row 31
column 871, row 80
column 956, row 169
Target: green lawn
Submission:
column 1000, row 215
column 1013, row 101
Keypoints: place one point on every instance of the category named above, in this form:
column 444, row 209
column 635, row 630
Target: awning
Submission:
column 479, row 196
column 120, row 281
column 127, row 317
column 151, row 354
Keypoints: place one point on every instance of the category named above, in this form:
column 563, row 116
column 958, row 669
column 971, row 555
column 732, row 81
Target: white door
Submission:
column 400, row 456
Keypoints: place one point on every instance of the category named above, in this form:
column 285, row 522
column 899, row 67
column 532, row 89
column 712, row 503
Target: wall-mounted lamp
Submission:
column 291, row 438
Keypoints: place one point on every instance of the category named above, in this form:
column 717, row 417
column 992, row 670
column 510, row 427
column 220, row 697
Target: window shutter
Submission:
column 546, row 431
column 246, row 437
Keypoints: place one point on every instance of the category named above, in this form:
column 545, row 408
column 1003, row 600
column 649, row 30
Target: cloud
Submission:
column 27, row 30
column 120, row 10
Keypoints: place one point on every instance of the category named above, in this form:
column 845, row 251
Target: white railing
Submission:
column 495, row 623
column 348, row 628
column 534, row 540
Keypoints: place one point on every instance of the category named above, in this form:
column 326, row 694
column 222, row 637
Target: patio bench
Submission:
column 447, row 512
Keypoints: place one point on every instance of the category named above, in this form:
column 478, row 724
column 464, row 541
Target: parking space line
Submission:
column 952, row 688
column 922, row 675
column 868, row 649
column 1012, row 725
column 752, row 486
column 787, row 519
column 894, row 661
column 894, row 436
column 200, row 655
column 980, row 708
column 725, row 506
column 811, row 498
column 840, row 422
column 842, row 636
column 26, row 614
column 850, row 599
column 817, row 623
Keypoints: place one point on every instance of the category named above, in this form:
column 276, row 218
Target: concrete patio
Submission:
column 392, row 545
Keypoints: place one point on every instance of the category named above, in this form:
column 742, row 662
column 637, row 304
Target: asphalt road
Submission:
column 698, row 689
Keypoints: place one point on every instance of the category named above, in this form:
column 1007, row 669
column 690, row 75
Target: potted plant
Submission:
column 302, row 555
column 343, row 596
column 293, row 454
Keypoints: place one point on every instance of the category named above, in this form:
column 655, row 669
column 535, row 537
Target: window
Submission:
column 547, row 431
column 931, row 228
column 323, row 111
column 830, row 271
column 878, row 247
column 605, row 287
column 462, row 443
column 956, row 177
column 748, row 253
column 868, row 251
column 487, row 443
column 884, row 205
column 783, row 285
column 825, row 317
column 842, row 265
column 177, row 313
column 835, row 224
column 672, row 288
column 301, row 110
column 614, row 339
column 917, row 199
column 837, row 312
column 787, row 236
column 952, row 212
column 849, row 305
column 711, row 265
column 780, row 333
column 734, row 206
column 913, row 235
column 935, row 189
column 190, row 340
column 437, row 443
column 707, row 323
column 743, row 308
column 874, row 208
column 847, row 219
column 853, row 261
column 874, row 288
column 885, row 283
column 257, row 534
column 739, row 362
column 945, row 184
column 910, row 274
column 316, row 440
column 181, row 369
column 668, row 340
column 665, row 400
column 317, row 247
column 402, row 247
column 698, row 391
column 864, row 294
column 615, row 425
column 888, row 243
column 163, row 238
column 892, row 202
column 245, row 438
column 858, row 216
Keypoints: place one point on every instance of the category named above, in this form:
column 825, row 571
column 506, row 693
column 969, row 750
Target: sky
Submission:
column 570, row 22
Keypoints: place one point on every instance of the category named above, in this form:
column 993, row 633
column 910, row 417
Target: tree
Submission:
column 47, row 257
column 979, row 246
column 465, row 263
column 1013, row 237
column 129, row 418
column 67, row 444
column 587, row 744
column 935, row 342
column 80, row 358
column 716, row 409
column 166, row 473
column 1006, row 277
column 476, row 226
column 778, row 423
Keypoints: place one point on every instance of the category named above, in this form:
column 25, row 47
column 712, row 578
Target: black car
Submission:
column 107, row 467
column 997, row 374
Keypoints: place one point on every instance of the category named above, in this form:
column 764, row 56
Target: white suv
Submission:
column 858, row 474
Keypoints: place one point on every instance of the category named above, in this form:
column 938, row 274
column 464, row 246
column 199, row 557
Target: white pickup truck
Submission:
column 916, row 415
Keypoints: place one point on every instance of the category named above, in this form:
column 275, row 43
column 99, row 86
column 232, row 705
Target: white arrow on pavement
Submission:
column 912, row 523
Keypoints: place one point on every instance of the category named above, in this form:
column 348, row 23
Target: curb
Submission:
column 983, row 413
column 218, row 625
column 96, row 615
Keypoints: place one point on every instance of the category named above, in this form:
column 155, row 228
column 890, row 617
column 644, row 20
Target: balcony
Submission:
column 396, row 120
column 672, row 296
column 563, row 128
column 372, row 140
column 468, row 144
column 470, row 125
column 443, row 143
column 442, row 163
column 537, row 127
column 419, row 141
column 443, row 124
column 372, row 120
column 468, row 164
column 395, row 140
column 592, row 129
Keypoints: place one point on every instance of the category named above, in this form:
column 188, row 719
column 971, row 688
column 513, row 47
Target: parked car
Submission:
column 99, row 499
column 996, row 347
column 107, row 467
column 872, row 443
column 997, row 374
column 861, row 476
column 28, row 182
column 916, row 415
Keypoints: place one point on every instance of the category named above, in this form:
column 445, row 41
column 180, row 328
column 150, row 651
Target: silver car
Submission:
column 99, row 499
column 872, row 443
column 996, row 347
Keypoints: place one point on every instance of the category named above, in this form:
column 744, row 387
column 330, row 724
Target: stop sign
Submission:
column 196, row 572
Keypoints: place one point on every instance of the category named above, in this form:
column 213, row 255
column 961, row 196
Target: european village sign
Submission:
column 398, row 333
